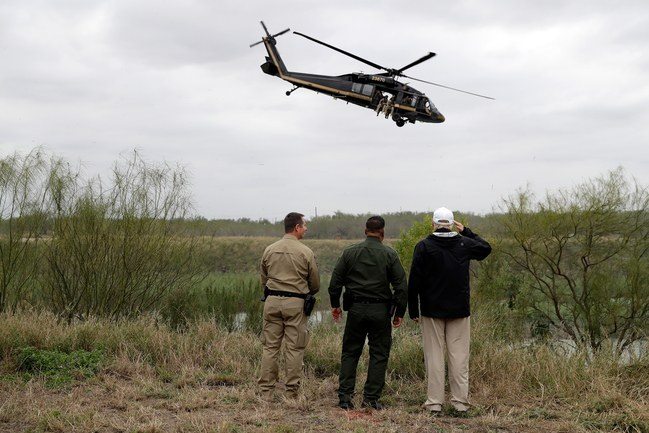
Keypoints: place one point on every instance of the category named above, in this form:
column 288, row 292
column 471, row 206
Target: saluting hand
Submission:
column 459, row 225
column 397, row 321
column 336, row 313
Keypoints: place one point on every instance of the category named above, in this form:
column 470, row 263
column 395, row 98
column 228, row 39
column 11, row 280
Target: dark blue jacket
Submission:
column 439, row 275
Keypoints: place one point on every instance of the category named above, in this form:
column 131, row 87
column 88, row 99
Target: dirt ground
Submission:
column 111, row 402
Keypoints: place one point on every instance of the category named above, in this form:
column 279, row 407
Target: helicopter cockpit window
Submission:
column 427, row 106
column 414, row 101
column 356, row 87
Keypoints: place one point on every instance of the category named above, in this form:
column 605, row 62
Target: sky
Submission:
column 91, row 80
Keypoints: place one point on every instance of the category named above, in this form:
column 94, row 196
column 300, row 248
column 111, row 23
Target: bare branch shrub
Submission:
column 25, row 201
column 113, row 252
column 584, row 255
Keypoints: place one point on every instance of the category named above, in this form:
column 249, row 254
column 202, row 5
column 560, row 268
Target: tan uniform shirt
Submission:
column 289, row 265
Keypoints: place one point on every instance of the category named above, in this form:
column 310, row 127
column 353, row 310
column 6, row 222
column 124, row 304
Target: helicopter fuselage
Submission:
column 378, row 92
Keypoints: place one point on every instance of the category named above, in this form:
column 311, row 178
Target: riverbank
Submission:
column 141, row 376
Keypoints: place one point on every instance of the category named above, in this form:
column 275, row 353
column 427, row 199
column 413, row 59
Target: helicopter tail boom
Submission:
column 274, row 64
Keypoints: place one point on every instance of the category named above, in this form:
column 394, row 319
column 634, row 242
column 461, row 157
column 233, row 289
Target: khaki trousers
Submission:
column 454, row 334
column 284, row 321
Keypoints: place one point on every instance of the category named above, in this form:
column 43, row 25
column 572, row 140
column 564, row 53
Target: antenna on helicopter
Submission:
column 268, row 35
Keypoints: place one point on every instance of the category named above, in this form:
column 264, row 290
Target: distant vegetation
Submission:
column 574, row 265
column 337, row 226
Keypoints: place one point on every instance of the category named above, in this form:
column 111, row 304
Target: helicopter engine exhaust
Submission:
column 269, row 68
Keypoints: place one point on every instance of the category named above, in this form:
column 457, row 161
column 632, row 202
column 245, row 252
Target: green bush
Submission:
column 59, row 367
column 113, row 252
column 582, row 253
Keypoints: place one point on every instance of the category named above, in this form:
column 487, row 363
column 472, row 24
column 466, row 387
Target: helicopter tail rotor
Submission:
column 268, row 35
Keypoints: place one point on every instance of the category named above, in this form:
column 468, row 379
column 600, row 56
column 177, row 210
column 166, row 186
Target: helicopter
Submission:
column 380, row 92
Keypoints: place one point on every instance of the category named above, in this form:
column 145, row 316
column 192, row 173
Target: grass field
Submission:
column 242, row 254
column 141, row 376
column 190, row 365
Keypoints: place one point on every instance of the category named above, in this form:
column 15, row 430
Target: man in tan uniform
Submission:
column 289, row 273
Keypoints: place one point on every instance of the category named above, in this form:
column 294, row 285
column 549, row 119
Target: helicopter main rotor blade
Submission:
column 416, row 62
column 447, row 87
column 280, row 33
column 353, row 56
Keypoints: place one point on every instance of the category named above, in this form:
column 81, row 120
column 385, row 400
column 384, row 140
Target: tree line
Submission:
column 340, row 225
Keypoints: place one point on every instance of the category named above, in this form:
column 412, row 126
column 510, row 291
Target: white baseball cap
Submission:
column 443, row 217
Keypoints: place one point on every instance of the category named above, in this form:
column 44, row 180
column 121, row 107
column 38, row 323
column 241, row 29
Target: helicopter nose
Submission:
column 437, row 117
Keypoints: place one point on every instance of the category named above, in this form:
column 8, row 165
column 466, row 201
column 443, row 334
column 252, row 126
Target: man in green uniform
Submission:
column 367, row 270
column 288, row 273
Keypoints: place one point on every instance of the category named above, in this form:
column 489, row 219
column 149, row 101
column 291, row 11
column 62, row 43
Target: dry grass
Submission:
column 203, row 380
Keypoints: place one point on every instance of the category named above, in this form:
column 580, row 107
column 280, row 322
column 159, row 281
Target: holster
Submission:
column 348, row 300
column 266, row 293
column 309, row 303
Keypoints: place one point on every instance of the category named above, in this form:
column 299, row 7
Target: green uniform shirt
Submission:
column 366, row 270
column 289, row 266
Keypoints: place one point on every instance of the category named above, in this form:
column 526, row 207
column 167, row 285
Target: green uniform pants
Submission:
column 371, row 321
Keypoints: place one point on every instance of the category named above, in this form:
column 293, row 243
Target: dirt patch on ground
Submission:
column 148, row 404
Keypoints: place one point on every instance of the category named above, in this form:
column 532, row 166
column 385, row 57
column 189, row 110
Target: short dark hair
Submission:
column 375, row 223
column 291, row 220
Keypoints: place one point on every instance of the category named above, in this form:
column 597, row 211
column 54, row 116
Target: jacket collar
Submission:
column 445, row 234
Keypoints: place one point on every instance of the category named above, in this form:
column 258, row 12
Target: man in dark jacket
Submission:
column 439, row 283
column 367, row 270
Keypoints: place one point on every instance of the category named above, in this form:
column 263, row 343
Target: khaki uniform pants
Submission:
column 284, row 320
column 454, row 334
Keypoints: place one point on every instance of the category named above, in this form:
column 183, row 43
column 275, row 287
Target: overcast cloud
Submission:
column 176, row 80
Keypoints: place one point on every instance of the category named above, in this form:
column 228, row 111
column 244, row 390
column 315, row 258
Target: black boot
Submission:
column 372, row 404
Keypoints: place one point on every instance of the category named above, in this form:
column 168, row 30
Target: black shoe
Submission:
column 346, row 405
column 372, row 404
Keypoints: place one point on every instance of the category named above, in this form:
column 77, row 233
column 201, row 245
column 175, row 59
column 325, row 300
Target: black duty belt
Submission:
column 361, row 300
column 286, row 294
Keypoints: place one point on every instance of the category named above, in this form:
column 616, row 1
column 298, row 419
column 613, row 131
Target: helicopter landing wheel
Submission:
column 400, row 122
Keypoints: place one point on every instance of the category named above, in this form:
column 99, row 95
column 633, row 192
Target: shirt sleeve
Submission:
column 263, row 268
column 415, row 280
column 399, row 283
column 479, row 249
column 337, row 281
column 314, row 275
